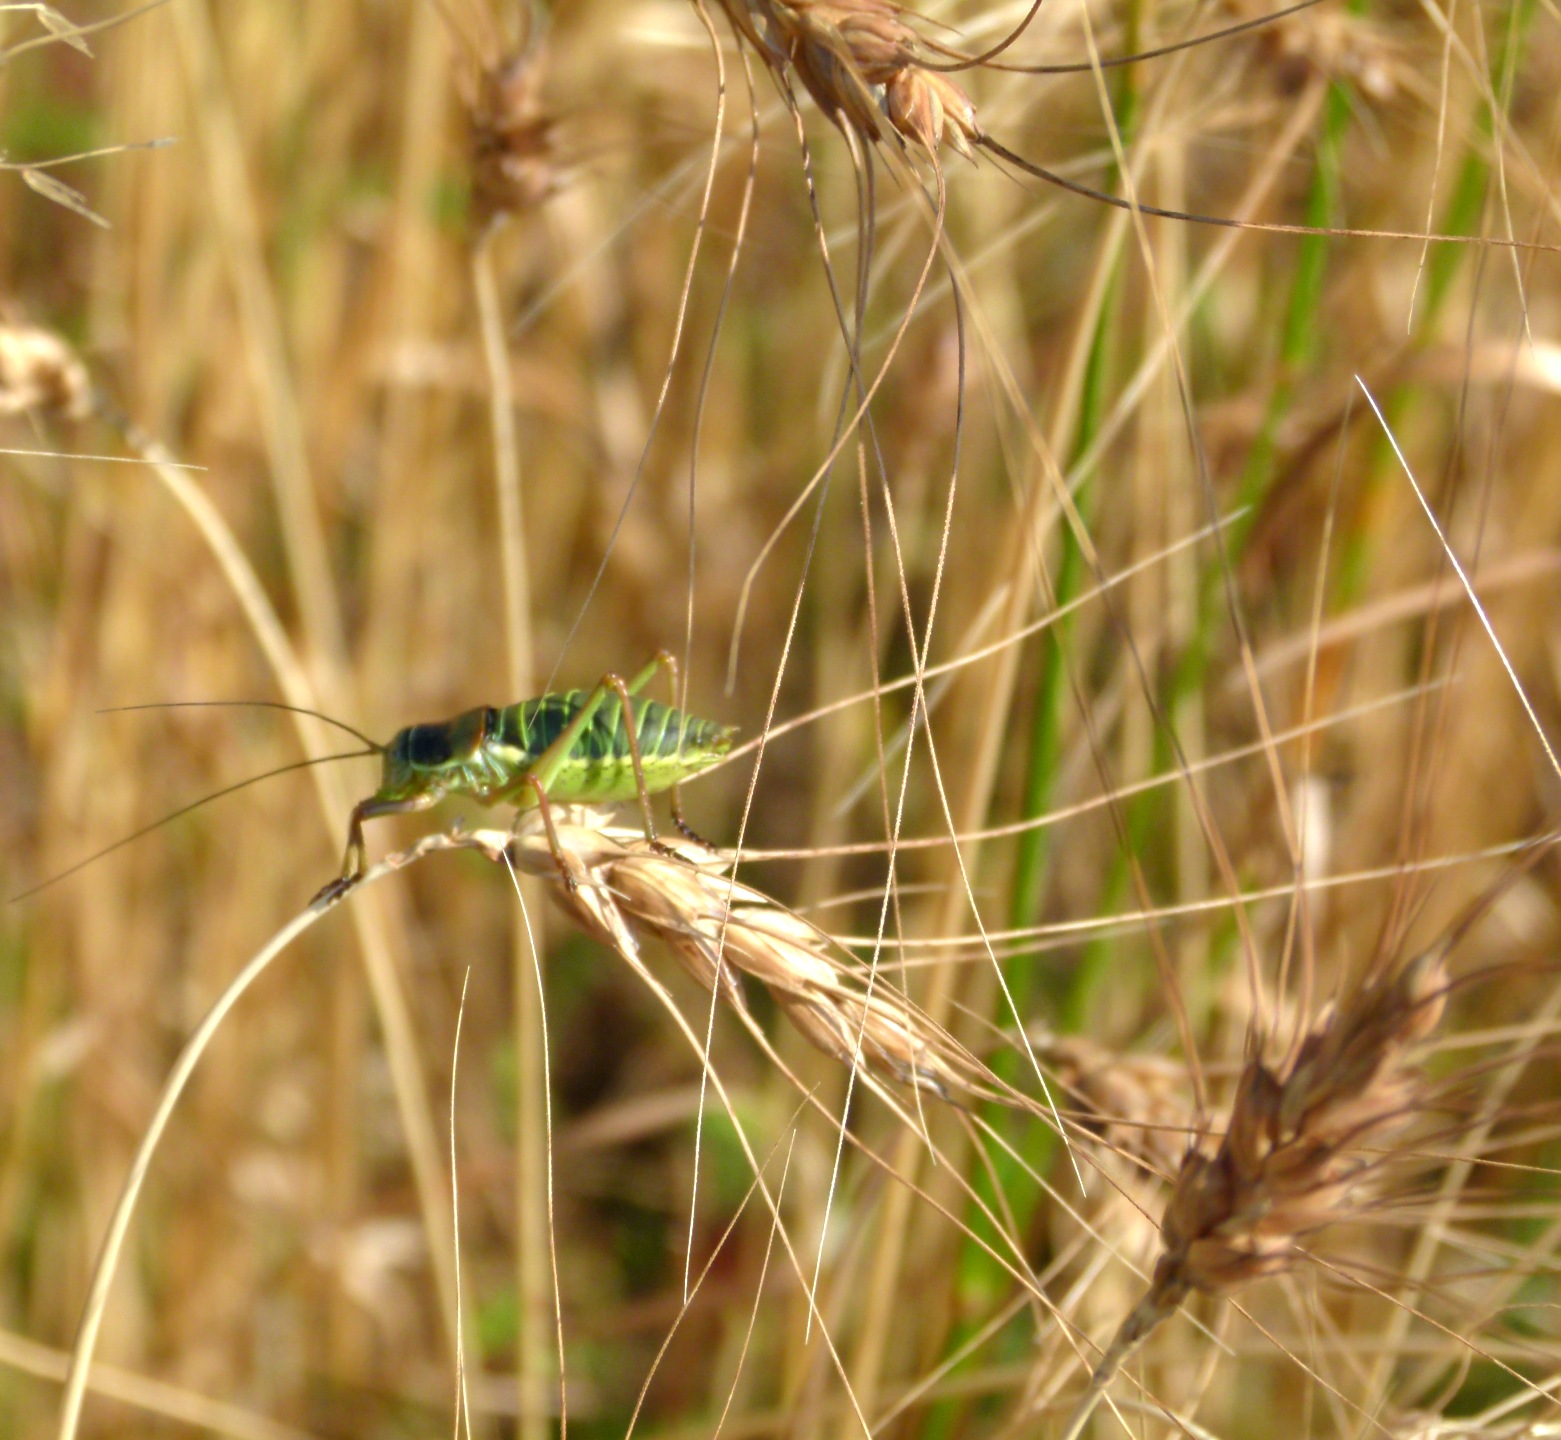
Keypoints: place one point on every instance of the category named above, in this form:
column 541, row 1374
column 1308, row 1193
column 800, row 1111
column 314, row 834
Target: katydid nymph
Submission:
column 575, row 747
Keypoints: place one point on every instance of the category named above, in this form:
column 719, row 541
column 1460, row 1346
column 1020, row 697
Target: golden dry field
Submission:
column 1118, row 995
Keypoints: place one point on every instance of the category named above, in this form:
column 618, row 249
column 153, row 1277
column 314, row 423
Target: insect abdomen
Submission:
column 673, row 745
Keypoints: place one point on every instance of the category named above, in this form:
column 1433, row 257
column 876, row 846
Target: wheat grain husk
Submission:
column 40, row 374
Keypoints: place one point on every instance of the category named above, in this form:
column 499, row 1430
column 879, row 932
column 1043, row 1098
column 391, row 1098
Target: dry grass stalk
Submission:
column 863, row 64
column 1294, row 1152
column 40, row 374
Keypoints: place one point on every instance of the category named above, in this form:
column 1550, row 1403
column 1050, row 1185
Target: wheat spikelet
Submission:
column 624, row 890
column 1136, row 1104
column 40, row 373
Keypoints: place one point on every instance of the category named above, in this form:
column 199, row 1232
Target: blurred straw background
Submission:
column 288, row 298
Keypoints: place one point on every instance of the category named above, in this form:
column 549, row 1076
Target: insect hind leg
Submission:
column 545, row 769
column 615, row 683
column 661, row 660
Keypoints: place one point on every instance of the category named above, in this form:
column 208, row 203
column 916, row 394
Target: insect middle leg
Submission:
column 548, row 765
column 545, row 810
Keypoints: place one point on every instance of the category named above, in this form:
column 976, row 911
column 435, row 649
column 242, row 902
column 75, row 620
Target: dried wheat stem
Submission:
column 119, row 1224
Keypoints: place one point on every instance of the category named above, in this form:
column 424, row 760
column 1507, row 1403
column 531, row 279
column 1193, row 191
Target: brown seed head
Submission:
column 1293, row 1153
column 879, row 43
column 928, row 108
column 510, row 136
column 861, row 61
column 511, row 141
column 1136, row 1103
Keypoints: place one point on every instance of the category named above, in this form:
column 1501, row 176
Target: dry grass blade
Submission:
column 63, row 30
column 1300, row 1140
column 107, row 1265
column 61, row 194
column 155, row 1397
column 44, row 356
column 463, row 1410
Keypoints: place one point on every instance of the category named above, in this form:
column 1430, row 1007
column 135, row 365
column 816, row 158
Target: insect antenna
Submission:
column 196, row 804
column 375, row 747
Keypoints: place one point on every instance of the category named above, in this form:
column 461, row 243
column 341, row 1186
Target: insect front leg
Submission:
column 354, row 862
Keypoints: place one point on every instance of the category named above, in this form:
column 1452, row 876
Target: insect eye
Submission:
column 427, row 747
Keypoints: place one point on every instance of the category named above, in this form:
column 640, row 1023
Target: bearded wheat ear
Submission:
column 625, row 891
column 1299, row 1143
column 510, row 136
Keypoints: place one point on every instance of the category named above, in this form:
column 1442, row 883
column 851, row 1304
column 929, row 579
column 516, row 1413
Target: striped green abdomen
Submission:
column 599, row 770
